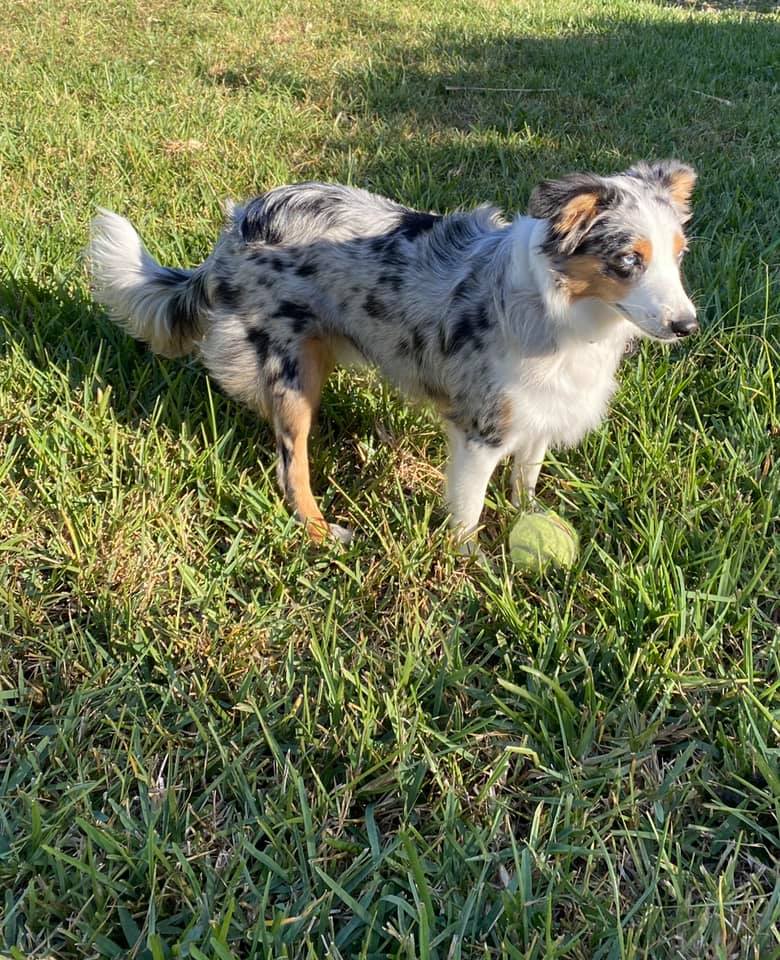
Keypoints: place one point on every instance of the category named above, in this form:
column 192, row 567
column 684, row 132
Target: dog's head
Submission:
column 620, row 240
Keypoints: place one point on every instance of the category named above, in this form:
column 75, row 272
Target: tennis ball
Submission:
column 541, row 538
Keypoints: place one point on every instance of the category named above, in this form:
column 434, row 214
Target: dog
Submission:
column 512, row 329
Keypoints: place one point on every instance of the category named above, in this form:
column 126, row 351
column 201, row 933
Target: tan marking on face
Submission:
column 578, row 210
column 678, row 244
column 645, row 250
column 584, row 278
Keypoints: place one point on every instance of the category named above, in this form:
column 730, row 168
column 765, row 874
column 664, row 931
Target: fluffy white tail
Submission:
column 162, row 306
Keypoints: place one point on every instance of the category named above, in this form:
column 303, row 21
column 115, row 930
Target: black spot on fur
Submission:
column 413, row 223
column 484, row 429
column 278, row 264
column 171, row 277
column 306, row 270
column 392, row 280
column 463, row 289
column 375, row 308
column 187, row 303
column 261, row 342
column 257, row 223
column 418, row 342
column 293, row 310
column 403, row 348
column 386, row 251
column 464, row 332
column 298, row 313
column 290, row 370
column 481, row 317
column 227, row 294
column 181, row 317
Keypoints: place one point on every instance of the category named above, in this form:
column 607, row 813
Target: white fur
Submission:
column 123, row 276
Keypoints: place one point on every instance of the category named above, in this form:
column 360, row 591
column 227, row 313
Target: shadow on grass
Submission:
column 62, row 332
column 455, row 119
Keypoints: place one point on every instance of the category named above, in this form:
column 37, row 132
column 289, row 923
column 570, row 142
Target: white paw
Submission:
column 343, row 534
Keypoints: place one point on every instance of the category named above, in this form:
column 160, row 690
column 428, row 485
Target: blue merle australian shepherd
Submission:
column 513, row 330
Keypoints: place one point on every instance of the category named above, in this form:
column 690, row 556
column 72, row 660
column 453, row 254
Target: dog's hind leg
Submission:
column 293, row 409
column 528, row 460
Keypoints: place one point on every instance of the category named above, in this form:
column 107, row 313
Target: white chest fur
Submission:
column 564, row 395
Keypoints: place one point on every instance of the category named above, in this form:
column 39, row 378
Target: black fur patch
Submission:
column 413, row 223
column 306, row 270
column 387, row 251
column 403, row 348
column 290, row 370
column 464, row 331
column 463, row 289
column 257, row 224
column 261, row 342
column 375, row 308
column 392, row 280
column 481, row 318
column 278, row 264
column 226, row 293
column 171, row 277
column 418, row 342
column 289, row 309
column 186, row 304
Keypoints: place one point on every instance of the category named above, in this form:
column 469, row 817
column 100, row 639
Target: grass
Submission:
column 217, row 741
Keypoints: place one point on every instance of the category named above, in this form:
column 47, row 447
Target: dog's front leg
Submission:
column 469, row 470
column 525, row 470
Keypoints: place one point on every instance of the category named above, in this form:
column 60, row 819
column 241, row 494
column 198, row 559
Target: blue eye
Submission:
column 629, row 261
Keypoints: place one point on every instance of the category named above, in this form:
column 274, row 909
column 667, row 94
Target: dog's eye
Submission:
column 625, row 265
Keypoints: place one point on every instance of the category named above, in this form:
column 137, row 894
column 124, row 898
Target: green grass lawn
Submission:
column 218, row 741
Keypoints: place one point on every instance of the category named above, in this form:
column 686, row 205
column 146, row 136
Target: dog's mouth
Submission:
column 649, row 327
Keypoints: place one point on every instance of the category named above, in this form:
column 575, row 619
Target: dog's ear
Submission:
column 571, row 205
column 672, row 179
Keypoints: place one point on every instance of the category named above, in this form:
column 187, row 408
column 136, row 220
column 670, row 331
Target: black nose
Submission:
column 684, row 325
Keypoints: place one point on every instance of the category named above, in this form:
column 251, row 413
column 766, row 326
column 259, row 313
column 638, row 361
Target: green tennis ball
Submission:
column 538, row 539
